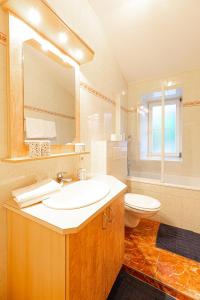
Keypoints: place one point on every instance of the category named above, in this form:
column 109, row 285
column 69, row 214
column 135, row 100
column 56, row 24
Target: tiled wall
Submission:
column 190, row 164
column 179, row 207
column 102, row 74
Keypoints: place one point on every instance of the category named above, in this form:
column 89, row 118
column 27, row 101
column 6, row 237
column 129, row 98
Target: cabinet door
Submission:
column 114, row 250
column 36, row 256
column 85, row 270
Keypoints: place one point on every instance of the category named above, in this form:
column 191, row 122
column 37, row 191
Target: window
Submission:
column 171, row 128
column 151, row 125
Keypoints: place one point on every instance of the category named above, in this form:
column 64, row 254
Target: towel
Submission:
column 39, row 128
column 35, row 193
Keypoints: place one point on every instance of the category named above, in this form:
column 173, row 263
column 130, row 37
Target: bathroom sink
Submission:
column 78, row 194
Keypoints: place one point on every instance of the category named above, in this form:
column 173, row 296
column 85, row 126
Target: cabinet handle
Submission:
column 105, row 219
column 110, row 217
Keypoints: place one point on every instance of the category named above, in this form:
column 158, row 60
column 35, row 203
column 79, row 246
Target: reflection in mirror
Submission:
column 49, row 96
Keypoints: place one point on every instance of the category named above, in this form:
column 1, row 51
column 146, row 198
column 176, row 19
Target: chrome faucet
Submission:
column 61, row 177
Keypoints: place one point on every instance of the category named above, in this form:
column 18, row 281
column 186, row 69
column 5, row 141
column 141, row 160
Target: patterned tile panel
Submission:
column 3, row 38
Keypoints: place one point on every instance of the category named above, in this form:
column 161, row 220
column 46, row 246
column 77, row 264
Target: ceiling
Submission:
column 152, row 38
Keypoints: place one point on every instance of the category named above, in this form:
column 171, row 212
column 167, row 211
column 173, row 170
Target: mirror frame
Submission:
column 17, row 146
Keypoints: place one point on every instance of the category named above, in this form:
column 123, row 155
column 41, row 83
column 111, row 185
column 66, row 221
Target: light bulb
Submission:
column 34, row 16
column 63, row 38
column 78, row 54
column 45, row 46
column 65, row 58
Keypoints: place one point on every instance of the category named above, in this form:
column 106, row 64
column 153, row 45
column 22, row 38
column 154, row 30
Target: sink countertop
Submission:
column 71, row 221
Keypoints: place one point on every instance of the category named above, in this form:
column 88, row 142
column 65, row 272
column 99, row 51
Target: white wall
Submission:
column 102, row 73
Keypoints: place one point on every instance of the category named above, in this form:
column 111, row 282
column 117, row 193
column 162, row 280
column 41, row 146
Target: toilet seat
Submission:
column 141, row 202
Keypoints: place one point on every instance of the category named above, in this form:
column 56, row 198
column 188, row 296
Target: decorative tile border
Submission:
column 185, row 104
column 124, row 109
column 94, row 92
column 191, row 103
column 41, row 110
column 132, row 110
column 3, row 38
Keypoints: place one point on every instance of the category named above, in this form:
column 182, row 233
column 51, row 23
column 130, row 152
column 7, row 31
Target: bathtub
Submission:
column 179, row 197
column 184, row 182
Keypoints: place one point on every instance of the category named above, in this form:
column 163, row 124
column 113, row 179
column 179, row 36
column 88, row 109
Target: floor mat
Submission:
column 179, row 241
column 127, row 287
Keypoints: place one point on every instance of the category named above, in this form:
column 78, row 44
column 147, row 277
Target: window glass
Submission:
column 150, row 114
column 170, row 129
column 156, row 128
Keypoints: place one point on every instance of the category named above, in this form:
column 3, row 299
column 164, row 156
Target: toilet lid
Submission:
column 141, row 202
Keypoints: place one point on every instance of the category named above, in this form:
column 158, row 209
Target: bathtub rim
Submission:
column 158, row 182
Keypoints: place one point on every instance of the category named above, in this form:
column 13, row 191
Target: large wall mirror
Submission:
column 49, row 96
column 44, row 88
column 44, row 58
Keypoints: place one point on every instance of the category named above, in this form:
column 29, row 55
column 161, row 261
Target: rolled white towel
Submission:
column 35, row 193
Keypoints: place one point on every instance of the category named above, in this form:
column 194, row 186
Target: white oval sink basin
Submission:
column 78, row 194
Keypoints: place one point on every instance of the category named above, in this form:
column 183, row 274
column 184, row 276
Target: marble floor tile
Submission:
column 172, row 273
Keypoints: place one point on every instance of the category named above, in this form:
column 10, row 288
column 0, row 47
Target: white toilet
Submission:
column 138, row 207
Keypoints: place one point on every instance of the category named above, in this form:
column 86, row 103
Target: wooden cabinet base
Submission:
column 86, row 266
column 45, row 265
column 36, row 261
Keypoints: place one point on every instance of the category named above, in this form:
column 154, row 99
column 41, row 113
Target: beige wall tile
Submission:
column 179, row 207
column 190, row 164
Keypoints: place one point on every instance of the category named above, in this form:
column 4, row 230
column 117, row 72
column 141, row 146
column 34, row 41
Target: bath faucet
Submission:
column 61, row 177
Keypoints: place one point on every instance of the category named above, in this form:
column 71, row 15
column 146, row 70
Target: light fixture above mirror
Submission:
column 20, row 33
column 42, row 18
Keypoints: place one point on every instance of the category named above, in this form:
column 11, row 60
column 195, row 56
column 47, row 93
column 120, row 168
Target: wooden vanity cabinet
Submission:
column 114, row 244
column 46, row 265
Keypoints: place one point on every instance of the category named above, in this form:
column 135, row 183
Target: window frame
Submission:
column 152, row 104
